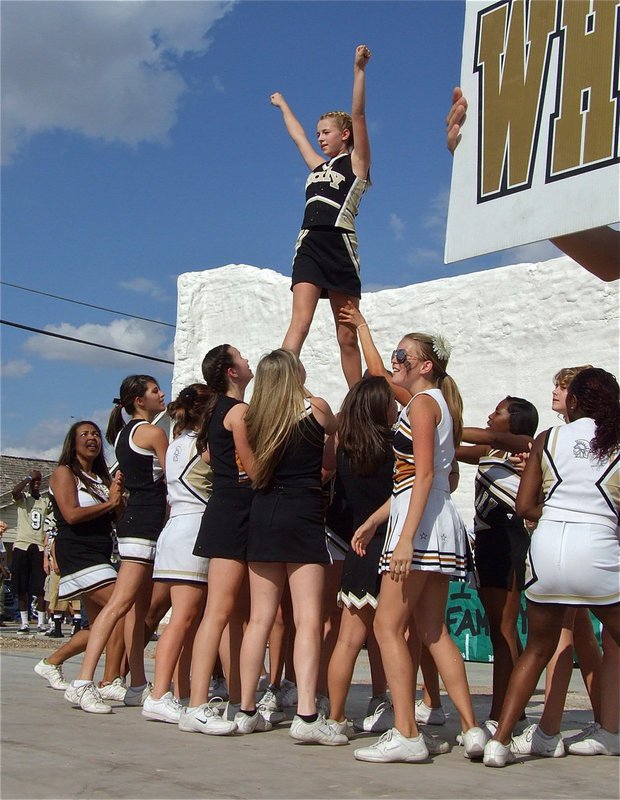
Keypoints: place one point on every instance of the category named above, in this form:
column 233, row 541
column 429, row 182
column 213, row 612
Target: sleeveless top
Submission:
column 404, row 467
column 189, row 479
column 333, row 194
column 300, row 461
column 99, row 528
column 144, row 476
column 365, row 493
column 496, row 487
column 576, row 485
column 228, row 472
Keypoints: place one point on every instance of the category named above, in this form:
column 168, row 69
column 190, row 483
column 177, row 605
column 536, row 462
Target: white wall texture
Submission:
column 510, row 328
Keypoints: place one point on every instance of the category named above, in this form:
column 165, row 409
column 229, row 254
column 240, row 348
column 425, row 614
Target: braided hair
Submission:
column 215, row 366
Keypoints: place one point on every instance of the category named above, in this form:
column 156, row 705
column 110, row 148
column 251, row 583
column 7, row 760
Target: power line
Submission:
column 82, row 341
column 88, row 305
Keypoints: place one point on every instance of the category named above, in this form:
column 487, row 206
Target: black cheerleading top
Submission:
column 497, row 484
column 228, row 472
column 299, row 463
column 98, row 530
column 333, row 194
column 366, row 493
column 144, row 475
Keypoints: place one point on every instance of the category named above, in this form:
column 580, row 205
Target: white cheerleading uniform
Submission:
column 439, row 544
column 575, row 550
column 189, row 481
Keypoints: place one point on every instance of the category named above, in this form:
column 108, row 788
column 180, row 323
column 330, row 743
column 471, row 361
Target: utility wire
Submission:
column 88, row 305
column 83, row 341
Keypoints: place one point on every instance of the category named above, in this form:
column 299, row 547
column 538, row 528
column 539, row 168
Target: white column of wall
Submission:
column 511, row 329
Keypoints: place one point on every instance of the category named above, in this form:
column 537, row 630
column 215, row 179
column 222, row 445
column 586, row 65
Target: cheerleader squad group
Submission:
column 284, row 538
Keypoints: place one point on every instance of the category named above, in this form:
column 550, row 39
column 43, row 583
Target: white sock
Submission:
column 41, row 618
column 23, row 615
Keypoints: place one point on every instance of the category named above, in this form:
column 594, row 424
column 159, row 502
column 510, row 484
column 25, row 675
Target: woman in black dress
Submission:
column 286, row 427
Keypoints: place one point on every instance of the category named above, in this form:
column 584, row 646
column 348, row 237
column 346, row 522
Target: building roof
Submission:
column 14, row 469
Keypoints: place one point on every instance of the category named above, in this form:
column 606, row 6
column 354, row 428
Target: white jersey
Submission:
column 577, row 486
column 189, row 478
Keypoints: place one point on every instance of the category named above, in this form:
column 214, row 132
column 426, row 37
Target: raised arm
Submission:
column 296, row 132
column 510, row 442
column 350, row 315
column 360, row 155
column 530, row 497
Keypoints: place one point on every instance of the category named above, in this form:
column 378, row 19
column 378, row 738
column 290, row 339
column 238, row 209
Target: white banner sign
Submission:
column 540, row 153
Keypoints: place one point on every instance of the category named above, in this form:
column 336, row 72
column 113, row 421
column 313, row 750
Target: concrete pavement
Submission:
column 50, row 750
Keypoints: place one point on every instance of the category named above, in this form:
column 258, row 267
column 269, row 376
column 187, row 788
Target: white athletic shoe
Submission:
column 289, row 693
column 534, row 742
column 345, row 727
column 270, row 705
column 52, row 674
column 490, row 726
column 166, row 709
column 598, row 743
column 136, row 695
column 254, row 724
column 474, row 741
column 380, row 721
column 115, row 690
column 205, row 719
column 434, row 744
column 429, row 716
column 583, row 734
column 393, row 746
column 71, row 695
column 497, row 754
column 318, row 732
column 90, row 700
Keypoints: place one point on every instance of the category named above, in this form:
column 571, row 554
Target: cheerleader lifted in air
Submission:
column 326, row 262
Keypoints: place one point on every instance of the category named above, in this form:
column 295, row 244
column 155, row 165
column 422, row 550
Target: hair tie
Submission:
column 189, row 394
column 116, row 402
column 442, row 375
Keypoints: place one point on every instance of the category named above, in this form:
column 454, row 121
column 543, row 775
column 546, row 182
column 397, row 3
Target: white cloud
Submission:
column 437, row 212
column 145, row 286
column 132, row 335
column 15, row 368
column 397, row 225
column 103, row 69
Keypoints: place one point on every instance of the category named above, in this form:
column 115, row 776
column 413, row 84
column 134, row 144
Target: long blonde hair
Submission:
column 446, row 384
column 277, row 403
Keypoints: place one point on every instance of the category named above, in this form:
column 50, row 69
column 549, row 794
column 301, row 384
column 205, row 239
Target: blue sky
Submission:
column 138, row 142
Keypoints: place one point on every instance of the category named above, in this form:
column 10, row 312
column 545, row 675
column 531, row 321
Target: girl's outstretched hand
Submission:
column 276, row 99
column 350, row 315
column 362, row 56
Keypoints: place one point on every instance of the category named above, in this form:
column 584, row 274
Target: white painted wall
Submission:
column 511, row 329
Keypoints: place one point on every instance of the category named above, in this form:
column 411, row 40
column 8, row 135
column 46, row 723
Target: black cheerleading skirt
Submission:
column 142, row 522
column 361, row 580
column 84, row 564
column 223, row 530
column 286, row 525
column 499, row 555
column 328, row 257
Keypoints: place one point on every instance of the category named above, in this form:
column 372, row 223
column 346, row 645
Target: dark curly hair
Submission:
column 595, row 393
column 187, row 410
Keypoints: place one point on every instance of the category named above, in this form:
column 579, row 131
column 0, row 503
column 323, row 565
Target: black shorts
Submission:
column 500, row 556
column 327, row 257
column 27, row 571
